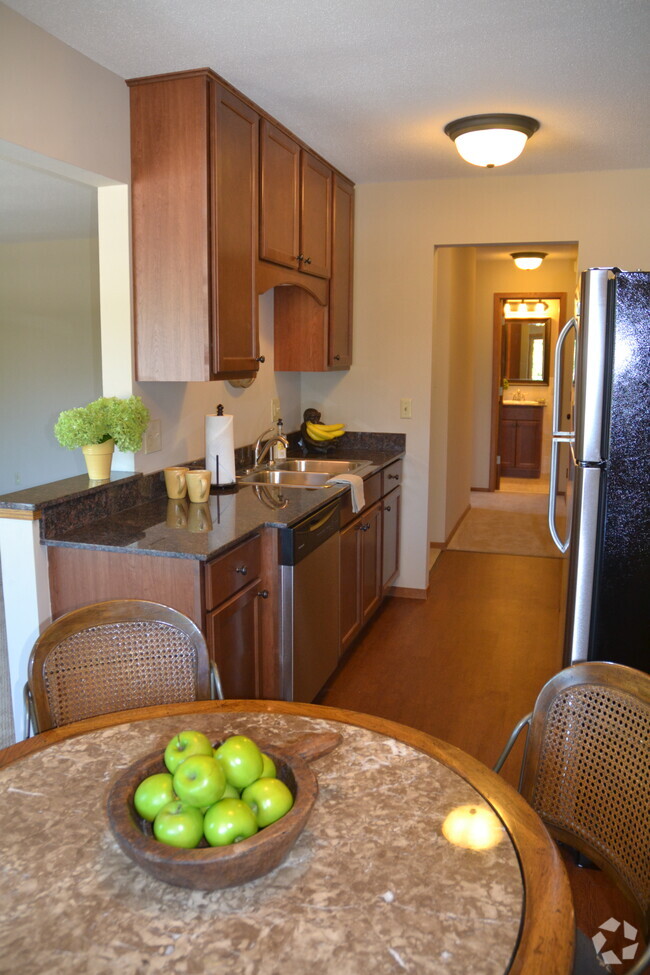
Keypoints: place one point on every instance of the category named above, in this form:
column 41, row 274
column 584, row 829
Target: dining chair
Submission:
column 586, row 772
column 114, row 656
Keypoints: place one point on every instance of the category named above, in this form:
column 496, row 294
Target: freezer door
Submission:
column 587, row 513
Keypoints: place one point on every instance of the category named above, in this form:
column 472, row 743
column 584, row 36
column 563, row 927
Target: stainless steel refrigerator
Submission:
column 601, row 449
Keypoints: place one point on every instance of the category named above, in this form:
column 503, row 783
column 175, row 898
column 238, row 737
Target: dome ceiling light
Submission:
column 528, row 260
column 491, row 140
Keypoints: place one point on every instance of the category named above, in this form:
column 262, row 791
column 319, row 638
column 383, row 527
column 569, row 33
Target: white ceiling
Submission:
column 370, row 84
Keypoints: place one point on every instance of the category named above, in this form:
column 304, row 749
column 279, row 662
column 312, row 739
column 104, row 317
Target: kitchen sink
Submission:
column 330, row 467
column 291, row 478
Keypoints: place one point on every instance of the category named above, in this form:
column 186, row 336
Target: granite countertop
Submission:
column 372, row 887
column 132, row 513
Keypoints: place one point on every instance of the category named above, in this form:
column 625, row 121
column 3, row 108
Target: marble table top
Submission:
column 371, row 886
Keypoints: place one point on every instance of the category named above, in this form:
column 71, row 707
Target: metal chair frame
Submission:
column 594, row 716
column 159, row 653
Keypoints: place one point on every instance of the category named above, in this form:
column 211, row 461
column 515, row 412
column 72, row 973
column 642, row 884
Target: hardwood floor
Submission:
column 464, row 665
column 468, row 662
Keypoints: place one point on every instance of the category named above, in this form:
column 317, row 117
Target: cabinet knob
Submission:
column 264, row 593
column 337, row 357
column 242, row 569
column 387, row 508
column 393, row 477
column 364, row 528
column 299, row 257
column 307, row 260
column 260, row 358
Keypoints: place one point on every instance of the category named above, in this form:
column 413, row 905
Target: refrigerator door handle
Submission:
column 557, row 368
column 552, row 496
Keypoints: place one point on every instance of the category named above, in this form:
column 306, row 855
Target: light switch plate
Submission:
column 275, row 409
column 405, row 409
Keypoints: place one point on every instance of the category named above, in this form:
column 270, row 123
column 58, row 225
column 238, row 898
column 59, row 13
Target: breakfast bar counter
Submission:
column 372, row 885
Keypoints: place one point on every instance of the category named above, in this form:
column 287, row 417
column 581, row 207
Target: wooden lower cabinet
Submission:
column 520, row 441
column 390, row 527
column 361, row 588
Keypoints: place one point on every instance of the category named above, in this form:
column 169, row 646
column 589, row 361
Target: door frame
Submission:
column 498, row 297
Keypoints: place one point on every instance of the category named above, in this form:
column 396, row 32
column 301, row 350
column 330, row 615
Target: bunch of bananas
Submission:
column 321, row 432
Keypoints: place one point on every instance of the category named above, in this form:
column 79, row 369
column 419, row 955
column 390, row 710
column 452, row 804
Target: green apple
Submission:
column 269, row 799
column 269, row 770
column 230, row 792
column 199, row 780
column 178, row 824
column 229, row 821
column 152, row 794
column 241, row 760
column 183, row 745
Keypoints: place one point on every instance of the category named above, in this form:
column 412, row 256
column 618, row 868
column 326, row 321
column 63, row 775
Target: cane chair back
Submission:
column 586, row 771
column 114, row 656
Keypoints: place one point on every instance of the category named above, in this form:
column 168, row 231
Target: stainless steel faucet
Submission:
column 262, row 451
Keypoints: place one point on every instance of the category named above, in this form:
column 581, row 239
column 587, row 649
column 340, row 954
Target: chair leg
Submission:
column 30, row 719
column 215, row 683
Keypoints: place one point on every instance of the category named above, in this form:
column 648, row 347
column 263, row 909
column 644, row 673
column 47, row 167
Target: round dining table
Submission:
column 384, row 878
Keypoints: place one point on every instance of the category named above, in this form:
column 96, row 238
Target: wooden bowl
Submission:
column 211, row 868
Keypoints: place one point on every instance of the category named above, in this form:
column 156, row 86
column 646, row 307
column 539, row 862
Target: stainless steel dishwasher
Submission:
column 309, row 600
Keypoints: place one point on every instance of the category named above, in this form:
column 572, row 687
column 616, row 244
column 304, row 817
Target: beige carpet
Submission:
column 507, row 524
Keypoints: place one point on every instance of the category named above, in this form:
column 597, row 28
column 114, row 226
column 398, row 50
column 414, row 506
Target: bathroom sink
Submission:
column 329, row 467
column 522, row 402
column 308, row 479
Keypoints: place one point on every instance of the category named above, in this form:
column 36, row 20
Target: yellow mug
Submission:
column 198, row 485
column 175, row 482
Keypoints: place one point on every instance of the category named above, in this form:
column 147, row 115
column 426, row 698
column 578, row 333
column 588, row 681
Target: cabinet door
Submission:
column 279, row 197
column 315, row 216
column 234, row 211
column 233, row 636
column 170, row 229
column 528, row 445
column 371, row 589
column 391, row 512
column 340, row 303
column 350, row 539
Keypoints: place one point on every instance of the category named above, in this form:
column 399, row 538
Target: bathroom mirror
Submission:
column 525, row 351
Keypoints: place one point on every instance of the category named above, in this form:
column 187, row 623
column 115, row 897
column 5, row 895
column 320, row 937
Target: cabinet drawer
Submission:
column 371, row 493
column 231, row 572
column 391, row 476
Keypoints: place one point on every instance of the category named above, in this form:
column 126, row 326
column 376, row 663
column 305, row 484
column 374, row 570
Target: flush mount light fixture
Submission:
column 528, row 260
column 491, row 140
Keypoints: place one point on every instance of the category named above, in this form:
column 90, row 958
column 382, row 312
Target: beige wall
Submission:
column 398, row 225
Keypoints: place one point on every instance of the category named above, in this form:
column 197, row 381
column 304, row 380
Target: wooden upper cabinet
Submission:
column 295, row 204
column 194, row 159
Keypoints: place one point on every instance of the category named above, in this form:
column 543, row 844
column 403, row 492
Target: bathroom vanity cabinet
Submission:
column 520, row 440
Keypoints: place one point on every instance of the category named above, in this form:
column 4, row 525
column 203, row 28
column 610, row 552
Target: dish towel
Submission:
column 356, row 486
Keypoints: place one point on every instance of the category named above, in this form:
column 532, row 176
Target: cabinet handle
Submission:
column 393, row 477
column 307, row 260
column 242, row 569
column 264, row 593
column 260, row 358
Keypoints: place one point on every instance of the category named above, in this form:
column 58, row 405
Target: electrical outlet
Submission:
column 405, row 411
column 153, row 437
column 275, row 409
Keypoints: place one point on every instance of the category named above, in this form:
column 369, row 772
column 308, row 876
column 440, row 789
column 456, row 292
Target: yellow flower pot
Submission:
column 99, row 457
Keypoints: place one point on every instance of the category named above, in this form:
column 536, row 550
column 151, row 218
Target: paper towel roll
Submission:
column 220, row 443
